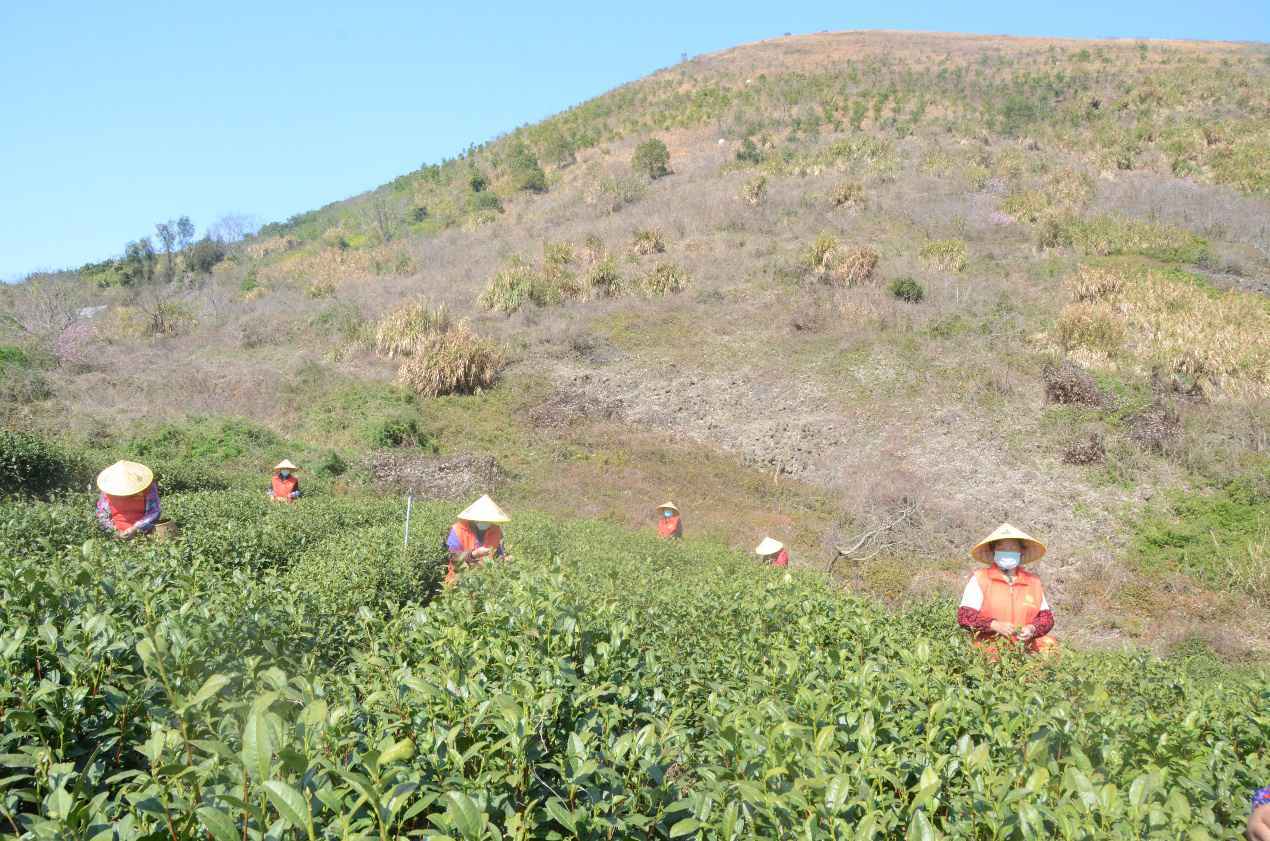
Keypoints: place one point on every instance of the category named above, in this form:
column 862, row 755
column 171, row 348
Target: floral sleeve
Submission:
column 103, row 514
column 1261, row 798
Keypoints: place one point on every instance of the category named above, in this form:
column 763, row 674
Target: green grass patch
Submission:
column 1220, row 537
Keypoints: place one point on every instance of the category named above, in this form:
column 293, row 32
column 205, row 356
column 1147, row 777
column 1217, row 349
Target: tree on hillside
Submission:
column 382, row 217
column 204, row 254
column 44, row 305
column 525, row 171
column 184, row 232
column 166, row 234
column 651, row 158
column 231, row 228
column 137, row 266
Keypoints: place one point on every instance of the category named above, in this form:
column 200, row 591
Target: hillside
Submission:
column 922, row 281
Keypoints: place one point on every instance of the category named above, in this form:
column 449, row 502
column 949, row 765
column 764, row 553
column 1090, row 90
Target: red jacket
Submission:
column 282, row 488
column 467, row 541
column 668, row 527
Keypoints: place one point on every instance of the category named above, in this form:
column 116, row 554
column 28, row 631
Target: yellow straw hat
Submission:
column 285, row 464
column 484, row 511
column 669, row 505
column 769, row 546
column 1033, row 549
column 125, row 478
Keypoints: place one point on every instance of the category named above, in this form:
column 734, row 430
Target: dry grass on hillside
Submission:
column 1220, row 340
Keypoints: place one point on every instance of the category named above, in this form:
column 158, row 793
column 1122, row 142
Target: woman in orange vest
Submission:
column 129, row 501
column 669, row 525
column 475, row 537
column 773, row 552
column 285, row 486
column 1002, row 600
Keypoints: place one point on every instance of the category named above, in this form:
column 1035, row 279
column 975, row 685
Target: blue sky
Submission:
column 114, row 118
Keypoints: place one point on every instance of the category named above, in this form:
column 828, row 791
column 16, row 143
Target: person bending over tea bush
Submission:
column 129, row 501
column 475, row 536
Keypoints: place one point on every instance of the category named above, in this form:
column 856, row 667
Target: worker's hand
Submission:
column 1259, row 824
column 128, row 532
column 481, row 552
column 1026, row 633
column 1005, row 629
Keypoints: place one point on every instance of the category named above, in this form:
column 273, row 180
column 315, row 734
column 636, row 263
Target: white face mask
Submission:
column 1006, row 561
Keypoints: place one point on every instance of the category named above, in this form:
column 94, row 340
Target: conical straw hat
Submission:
column 769, row 546
column 669, row 505
column 285, row 464
column 1033, row 549
column 484, row 511
column 125, row 478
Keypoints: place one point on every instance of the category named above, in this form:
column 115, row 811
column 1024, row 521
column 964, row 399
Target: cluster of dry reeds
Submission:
column 1221, row 340
column 438, row 356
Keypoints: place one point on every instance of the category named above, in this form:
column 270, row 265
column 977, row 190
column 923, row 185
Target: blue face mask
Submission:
column 668, row 513
column 1006, row 561
column 285, row 474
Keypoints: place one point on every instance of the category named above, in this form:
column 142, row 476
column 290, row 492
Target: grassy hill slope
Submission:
column 922, row 280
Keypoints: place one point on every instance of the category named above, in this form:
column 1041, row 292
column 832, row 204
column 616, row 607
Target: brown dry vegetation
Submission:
column 670, row 338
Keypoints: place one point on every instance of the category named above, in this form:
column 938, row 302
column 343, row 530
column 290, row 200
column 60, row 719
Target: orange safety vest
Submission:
column 1016, row 603
column 127, row 511
column 668, row 527
column 469, row 540
column 282, row 488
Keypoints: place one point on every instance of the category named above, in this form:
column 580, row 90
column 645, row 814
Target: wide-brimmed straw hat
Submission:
column 1033, row 549
column 125, row 478
column 285, row 464
column 769, row 546
column 668, row 505
column 484, row 511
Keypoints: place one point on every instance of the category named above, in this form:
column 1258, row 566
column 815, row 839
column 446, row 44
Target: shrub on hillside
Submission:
column 524, row 171
column 203, row 255
column 852, row 265
column 331, row 465
column 945, row 255
column 665, row 279
column 749, row 153
column 847, row 194
column 907, row 290
column 611, row 193
column 1086, row 451
column 398, row 431
column 511, row 287
column 754, row 191
column 32, row 465
column 455, row 362
column 819, row 255
column 1110, row 235
column 1066, row 383
column 651, row 158
column 648, row 241
column 604, row 278
column 402, row 330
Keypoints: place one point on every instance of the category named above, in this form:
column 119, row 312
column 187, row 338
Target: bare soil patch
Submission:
column 452, row 478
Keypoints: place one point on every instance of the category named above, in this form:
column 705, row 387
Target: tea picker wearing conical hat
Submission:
column 1002, row 600
column 773, row 552
column 669, row 524
column 129, row 501
column 475, row 536
column 285, row 486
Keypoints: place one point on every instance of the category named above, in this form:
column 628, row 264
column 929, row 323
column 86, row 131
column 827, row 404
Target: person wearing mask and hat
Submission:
column 129, row 501
column 1003, row 600
column 773, row 552
column 475, row 536
column 285, row 486
column 669, row 525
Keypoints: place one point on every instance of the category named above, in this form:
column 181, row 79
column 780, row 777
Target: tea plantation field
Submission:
column 290, row 672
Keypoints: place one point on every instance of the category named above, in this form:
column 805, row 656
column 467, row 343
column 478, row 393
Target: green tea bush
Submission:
column 262, row 675
column 29, row 464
